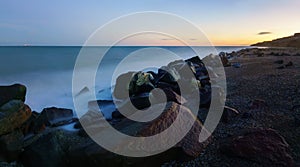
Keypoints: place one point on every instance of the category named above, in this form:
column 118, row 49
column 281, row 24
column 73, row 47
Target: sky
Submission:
column 71, row 22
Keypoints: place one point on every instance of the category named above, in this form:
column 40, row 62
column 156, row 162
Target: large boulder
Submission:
column 12, row 92
column 133, row 84
column 190, row 144
column 13, row 115
column 91, row 154
column 264, row 146
column 11, row 146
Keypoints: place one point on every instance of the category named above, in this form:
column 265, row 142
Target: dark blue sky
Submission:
column 70, row 22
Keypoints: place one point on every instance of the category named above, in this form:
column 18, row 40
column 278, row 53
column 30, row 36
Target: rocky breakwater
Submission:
column 136, row 91
column 29, row 138
column 13, row 113
column 19, row 126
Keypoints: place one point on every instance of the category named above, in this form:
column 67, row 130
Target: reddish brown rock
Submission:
column 32, row 125
column 14, row 114
column 190, row 143
column 189, row 147
column 264, row 146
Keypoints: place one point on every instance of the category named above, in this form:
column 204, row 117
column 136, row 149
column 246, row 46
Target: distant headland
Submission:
column 290, row 41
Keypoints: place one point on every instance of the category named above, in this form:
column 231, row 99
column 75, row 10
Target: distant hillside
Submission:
column 291, row 41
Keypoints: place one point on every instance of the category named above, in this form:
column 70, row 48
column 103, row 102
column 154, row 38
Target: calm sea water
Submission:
column 47, row 71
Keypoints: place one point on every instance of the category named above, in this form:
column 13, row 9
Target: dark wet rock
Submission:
column 132, row 83
column 278, row 62
column 202, row 114
column 14, row 114
column 281, row 67
column 264, row 146
column 48, row 151
column 205, row 98
column 199, row 69
column 156, row 96
column 166, row 77
column 77, row 125
column 11, row 145
column 82, row 133
column 195, row 60
column 55, row 116
column 139, row 102
column 12, row 92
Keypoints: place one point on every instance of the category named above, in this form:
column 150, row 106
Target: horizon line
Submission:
column 119, row 45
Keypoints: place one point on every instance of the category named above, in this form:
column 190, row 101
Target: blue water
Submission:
column 47, row 71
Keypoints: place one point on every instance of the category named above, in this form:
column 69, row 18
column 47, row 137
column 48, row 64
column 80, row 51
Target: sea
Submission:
column 47, row 71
